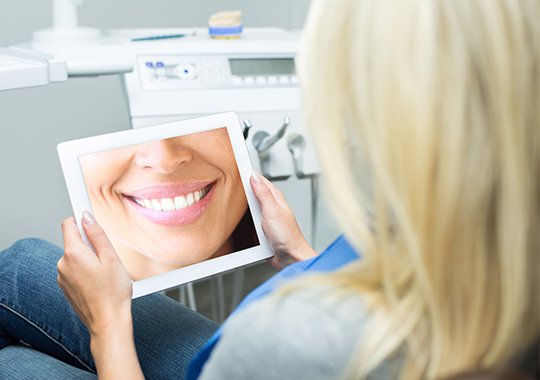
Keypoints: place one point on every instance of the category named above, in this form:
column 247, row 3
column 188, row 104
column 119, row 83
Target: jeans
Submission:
column 41, row 337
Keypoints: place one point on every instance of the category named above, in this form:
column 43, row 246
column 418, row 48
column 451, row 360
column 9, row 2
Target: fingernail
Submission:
column 88, row 218
column 255, row 176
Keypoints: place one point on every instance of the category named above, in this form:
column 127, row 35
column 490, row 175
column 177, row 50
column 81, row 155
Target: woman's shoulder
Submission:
column 315, row 305
column 310, row 332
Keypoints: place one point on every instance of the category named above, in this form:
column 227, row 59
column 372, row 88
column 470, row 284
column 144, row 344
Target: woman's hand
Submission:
column 279, row 224
column 99, row 289
column 95, row 283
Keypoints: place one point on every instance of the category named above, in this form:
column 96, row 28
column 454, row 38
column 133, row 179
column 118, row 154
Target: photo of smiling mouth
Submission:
column 176, row 204
column 170, row 204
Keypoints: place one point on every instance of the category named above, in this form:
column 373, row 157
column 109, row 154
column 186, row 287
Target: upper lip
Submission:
column 169, row 190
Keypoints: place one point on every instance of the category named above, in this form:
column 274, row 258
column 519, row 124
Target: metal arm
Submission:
column 262, row 141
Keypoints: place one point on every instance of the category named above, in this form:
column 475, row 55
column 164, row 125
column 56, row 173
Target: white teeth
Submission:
column 171, row 204
column 180, row 202
column 156, row 204
column 167, row 204
column 146, row 203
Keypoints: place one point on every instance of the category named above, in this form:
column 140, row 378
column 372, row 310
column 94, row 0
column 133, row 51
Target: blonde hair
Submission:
column 440, row 100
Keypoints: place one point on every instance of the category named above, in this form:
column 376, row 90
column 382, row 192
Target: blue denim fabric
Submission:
column 33, row 310
column 21, row 362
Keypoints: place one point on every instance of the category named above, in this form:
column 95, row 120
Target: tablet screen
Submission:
column 170, row 203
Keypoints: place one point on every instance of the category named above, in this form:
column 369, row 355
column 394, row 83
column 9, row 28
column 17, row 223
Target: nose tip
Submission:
column 163, row 156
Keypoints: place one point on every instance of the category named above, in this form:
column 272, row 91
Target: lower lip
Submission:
column 181, row 217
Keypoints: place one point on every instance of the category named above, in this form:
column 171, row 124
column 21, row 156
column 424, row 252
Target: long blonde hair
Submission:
column 440, row 99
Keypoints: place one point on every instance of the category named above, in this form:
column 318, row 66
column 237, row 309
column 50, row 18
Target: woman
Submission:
column 170, row 203
column 439, row 101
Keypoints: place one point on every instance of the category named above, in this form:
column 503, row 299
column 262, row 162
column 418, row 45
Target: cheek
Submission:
column 235, row 185
column 237, row 196
column 219, row 153
column 222, row 159
column 103, row 170
column 101, row 179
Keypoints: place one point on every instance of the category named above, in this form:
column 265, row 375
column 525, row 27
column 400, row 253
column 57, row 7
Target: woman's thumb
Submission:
column 96, row 236
column 262, row 192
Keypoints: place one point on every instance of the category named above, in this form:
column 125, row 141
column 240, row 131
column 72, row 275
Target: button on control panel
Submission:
column 185, row 71
column 178, row 72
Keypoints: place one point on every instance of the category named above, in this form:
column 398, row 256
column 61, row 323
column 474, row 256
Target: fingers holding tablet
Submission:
column 95, row 283
column 279, row 224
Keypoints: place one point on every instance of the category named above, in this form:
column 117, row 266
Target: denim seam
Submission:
column 47, row 335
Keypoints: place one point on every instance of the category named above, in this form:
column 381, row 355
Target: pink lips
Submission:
column 180, row 217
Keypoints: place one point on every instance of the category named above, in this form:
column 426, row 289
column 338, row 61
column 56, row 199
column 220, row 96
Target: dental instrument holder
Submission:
column 296, row 144
column 263, row 142
column 247, row 127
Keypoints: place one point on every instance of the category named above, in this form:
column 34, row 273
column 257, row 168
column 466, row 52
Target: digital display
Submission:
column 170, row 203
column 266, row 66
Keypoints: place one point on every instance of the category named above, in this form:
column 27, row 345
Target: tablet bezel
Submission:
column 70, row 151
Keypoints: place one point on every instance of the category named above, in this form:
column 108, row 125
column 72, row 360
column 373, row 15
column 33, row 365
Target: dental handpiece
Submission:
column 296, row 144
column 263, row 141
column 247, row 127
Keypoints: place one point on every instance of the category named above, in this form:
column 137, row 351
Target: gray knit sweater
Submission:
column 308, row 334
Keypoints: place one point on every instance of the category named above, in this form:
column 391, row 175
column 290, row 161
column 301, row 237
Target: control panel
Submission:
column 182, row 72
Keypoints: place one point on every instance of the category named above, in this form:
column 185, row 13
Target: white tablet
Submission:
column 174, row 199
